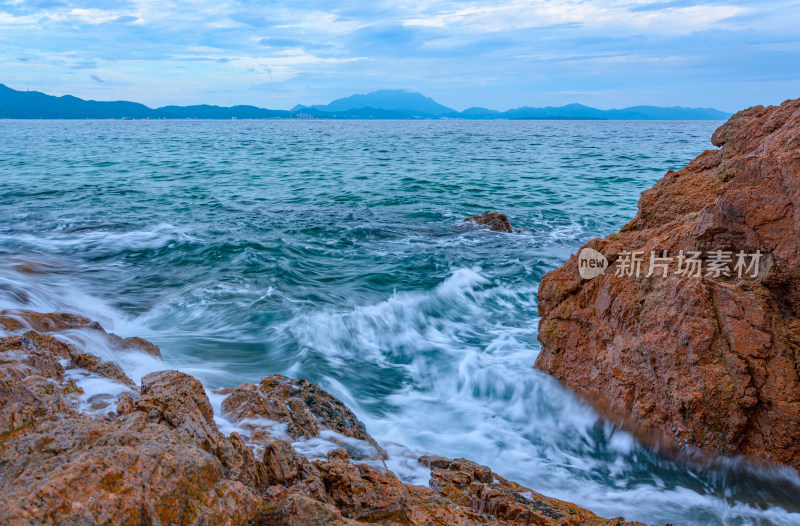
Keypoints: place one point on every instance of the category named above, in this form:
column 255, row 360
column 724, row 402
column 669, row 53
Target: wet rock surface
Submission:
column 158, row 457
column 475, row 486
column 710, row 361
column 304, row 408
column 37, row 321
column 495, row 221
column 14, row 320
column 134, row 343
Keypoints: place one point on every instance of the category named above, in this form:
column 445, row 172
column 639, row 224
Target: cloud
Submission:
column 523, row 14
column 475, row 52
column 48, row 4
column 253, row 19
column 281, row 42
column 98, row 79
column 84, row 64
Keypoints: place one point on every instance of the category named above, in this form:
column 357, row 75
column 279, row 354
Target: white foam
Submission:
column 136, row 364
column 489, row 405
column 459, row 398
column 99, row 395
column 403, row 462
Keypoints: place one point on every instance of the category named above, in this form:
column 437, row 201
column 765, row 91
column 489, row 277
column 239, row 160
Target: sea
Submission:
column 335, row 251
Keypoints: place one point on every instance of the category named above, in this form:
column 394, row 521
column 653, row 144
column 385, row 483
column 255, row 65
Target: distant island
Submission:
column 384, row 104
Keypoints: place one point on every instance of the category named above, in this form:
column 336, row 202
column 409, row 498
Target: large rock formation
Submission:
column 154, row 454
column 712, row 360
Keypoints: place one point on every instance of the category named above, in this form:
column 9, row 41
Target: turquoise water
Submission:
column 333, row 251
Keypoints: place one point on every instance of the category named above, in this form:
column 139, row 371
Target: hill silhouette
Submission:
column 384, row 104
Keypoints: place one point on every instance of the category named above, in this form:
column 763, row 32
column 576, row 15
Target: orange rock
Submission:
column 17, row 319
column 710, row 361
column 58, row 465
column 305, row 407
column 54, row 321
column 135, row 343
column 477, row 488
column 161, row 459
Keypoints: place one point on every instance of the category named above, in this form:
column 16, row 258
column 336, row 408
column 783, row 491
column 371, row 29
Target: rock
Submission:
column 709, row 361
column 29, row 384
column 476, row 487
column 12, row 320
column 93, row 364
column 285, row 466
column 46, row 349
column 161, row 459
column 58, row 464
column 26, row 266
column 495, row 221
column 135, row 343
column 358, row 489
column 179, row 400
column 17, row 319
column 372, row 496
column 340, row 454
column 304, row 407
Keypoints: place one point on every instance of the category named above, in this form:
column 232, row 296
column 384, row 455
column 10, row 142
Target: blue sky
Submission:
column 603, row 53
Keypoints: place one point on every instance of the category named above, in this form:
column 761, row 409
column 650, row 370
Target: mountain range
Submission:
column 384, row 104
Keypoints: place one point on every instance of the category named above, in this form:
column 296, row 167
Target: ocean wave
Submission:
column 346, row 264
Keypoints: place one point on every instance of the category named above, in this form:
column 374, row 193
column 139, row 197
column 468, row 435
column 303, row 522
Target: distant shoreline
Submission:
column 382, row 105
column 276, row 119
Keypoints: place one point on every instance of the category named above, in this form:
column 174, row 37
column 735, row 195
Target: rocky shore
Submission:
column 153, row 452
column 709, row 359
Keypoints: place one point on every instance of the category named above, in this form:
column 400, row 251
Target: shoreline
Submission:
column 334, row 487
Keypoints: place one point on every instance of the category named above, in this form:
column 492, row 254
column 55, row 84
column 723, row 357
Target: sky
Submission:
column 603, row 53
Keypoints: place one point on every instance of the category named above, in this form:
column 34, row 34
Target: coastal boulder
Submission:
column 692, row 334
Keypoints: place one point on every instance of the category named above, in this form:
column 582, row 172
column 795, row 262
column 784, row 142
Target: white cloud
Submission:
column 281, row 66
column 525, row 14
column 93, row 16
column 205, row 51
column 9, row 20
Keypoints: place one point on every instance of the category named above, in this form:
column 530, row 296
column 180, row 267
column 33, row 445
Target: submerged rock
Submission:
column 495, row 221
column 709, row 360
column 161, row 459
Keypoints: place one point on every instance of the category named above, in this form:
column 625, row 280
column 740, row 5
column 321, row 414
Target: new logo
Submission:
column 591, row 263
